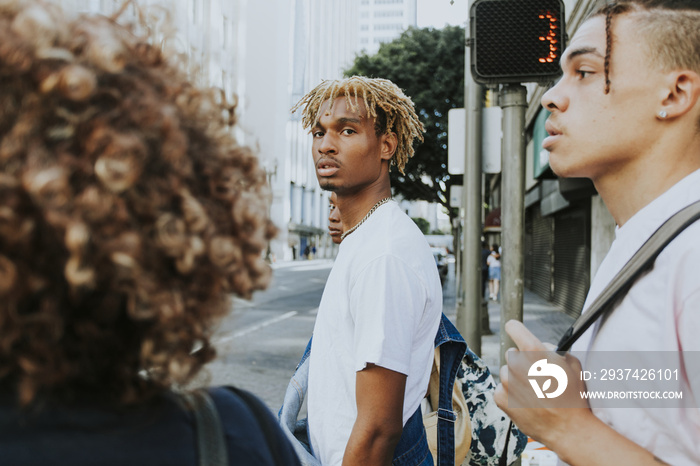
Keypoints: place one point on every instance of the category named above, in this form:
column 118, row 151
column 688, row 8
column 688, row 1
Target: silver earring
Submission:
column 663, row 114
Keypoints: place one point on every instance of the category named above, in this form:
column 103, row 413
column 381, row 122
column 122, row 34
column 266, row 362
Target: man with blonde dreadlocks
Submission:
column 373, row 341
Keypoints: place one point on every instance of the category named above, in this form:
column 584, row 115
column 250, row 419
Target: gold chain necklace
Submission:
column 371, row 211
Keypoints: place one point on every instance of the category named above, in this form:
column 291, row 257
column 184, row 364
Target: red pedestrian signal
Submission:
column 516, row 41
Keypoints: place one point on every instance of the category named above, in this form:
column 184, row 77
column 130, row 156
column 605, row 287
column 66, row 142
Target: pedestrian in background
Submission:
column 373, row 341
column 128, row 215
column 485, row 253
column 625, row 114
column 494, row 264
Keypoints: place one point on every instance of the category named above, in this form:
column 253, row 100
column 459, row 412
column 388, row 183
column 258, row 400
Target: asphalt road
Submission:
column 261, row 342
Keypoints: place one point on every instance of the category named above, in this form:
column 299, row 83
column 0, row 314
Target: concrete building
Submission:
column 326, row 37
column 267, row 57
column 323, row 43
column 205, row 31
column 384, row 20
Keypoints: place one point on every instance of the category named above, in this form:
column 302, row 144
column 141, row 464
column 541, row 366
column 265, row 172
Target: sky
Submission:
column 438, row 13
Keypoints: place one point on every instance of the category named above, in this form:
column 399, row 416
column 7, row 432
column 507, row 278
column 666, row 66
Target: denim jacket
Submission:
column 412, row 449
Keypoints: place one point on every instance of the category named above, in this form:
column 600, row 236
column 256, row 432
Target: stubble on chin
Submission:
column 326, row 185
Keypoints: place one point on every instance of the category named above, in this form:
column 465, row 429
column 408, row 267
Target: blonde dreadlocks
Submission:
column 385, row 102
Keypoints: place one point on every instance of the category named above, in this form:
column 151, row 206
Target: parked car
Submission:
column 440, row 256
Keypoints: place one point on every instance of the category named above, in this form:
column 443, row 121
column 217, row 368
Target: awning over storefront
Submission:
column 492, row 223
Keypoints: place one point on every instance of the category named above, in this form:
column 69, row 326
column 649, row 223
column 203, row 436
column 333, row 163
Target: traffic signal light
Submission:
column 516, row 41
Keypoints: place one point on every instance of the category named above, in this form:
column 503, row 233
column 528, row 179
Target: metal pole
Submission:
column 469, row 314
column 457, row 230
column 513, row 100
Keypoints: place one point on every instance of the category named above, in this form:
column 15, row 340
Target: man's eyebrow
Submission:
column 339, row 122
column 346, row 120
column 571, row 54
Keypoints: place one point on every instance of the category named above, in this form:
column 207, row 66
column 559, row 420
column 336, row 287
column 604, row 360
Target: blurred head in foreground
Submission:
column 128, row 212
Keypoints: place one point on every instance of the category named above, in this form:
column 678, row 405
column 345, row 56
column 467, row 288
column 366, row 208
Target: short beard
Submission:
column 327, row 185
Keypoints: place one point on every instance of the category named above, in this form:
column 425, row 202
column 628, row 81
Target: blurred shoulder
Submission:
column 251, row 429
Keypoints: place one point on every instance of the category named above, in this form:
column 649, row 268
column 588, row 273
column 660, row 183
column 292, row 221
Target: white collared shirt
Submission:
column 661, row 312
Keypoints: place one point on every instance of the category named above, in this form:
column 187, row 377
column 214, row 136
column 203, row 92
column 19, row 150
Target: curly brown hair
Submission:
column 128, row 211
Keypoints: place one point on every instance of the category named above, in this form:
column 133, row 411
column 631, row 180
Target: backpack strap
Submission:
column 211, row 444
column 266, row 421
column 452, row 348
column 641, row 261
column 211, row 448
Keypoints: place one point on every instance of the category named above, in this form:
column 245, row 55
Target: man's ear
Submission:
column 389, row 143
column 681, row 93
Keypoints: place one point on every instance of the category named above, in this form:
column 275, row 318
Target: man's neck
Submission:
column 353, row 207
column 629, row 189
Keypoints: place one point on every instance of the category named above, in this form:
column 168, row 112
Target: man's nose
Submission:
column 327, row 144
column 554, row 99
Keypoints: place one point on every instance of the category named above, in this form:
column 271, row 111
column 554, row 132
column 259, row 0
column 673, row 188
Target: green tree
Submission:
column 428, row 64
column 422, row 223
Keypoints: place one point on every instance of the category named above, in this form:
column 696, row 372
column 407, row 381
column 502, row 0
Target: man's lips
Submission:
column 334, row 232
column 553, row 132
column 326, row 167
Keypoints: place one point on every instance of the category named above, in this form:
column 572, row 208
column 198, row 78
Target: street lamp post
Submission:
column 469, row 314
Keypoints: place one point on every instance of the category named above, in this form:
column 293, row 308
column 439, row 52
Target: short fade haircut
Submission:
column 671, row 28
column 392, row 110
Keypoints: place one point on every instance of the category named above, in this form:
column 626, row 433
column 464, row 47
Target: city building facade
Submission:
column 323, row 43
column 267, row 57
column 382, row 21
column 326, row 37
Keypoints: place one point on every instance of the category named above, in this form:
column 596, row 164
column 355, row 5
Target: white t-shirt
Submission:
column 381, row 305
column 493, row 260
column 661, row 312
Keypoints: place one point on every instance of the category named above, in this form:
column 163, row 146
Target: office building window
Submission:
column 388, row 27
column 388, row 14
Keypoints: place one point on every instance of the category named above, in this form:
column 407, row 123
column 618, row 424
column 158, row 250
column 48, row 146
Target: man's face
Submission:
column 348, row 154
column 593, row 134
column 335, row 225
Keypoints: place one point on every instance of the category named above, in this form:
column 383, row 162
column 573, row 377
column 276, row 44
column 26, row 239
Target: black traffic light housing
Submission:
column 516, row 41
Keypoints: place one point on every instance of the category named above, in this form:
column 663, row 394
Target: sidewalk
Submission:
column 546, row 320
